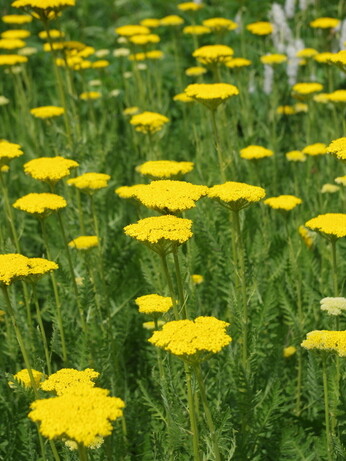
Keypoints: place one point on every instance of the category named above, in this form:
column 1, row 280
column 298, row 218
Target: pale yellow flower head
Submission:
column 165, row 169
column 154, row 304
column 193, row 340
column 330, row 225
column 195, row 71
column 283, row 202
column 149, row 122
column 341, row 180
column 329, row 189
column 90, row 182
column 211, row 94
column 289, row 351
column 212, row 54
column 307, row 235
column 333, row 306
column 254, row 152
column 236, row 195
column 49, row 169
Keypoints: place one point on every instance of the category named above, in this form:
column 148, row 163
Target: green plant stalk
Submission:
column 209, row 418
column 182, row 300
column 80, row 212
column 82, row 452
column 192, row 414
column 56, row 293
column 334, row 268
column 218, row 146
column 242, row 286
column 163, row 258
column 90, row 271
column 326, row 409
column 42, row 331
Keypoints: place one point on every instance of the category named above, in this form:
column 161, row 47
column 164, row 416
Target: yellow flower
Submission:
column 2, row 315
column 307, row 236
column 330, row 225
column 322, row 98
column 11, row 43
column 236, row 63
column 149, row 122
column 16, row 18
column 161, row 233
column 306, row 89
column 66, row 378
column 87, row 95
column 306, row 53
column 300, row 107
column 236, row 195
column 43, row 4
column 315, row 149
column 329, row 189
column 47, row 111
column 220, row 24
column 260, row 28
column 255, row 152
column 341, row 180
column 16, row 34
column 285, row 110
column 53, row 33
column 336, row 147
column 164, row 168
column 190, row 6
column 153, row 304
column 172, row 20
column 289, row 351
column 84, row 242
column 212, row 54
column 129, row 30
column 89, row 182
column 182, row 97
column 49, row 169
column 83, row 414
column 131, row 110
column 24, row 379
column 15, row 266
column 296, row 156
column 9, row 151
column 197, row 279
column 270, row 59
column 128, row 192
column 41, row 204
column 195, row 71
column 324, row 23
column 192, row 340
column 283, row 202
column 211, row 94
column 324, row 57
column 100, row 64
column 325, row 340
column 150, row 22
column 144, row 39
column 151, row 325
column 333, row 306
column 337, row 96
column 196, row 30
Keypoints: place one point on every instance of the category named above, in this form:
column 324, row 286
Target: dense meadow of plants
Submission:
column 185, row 309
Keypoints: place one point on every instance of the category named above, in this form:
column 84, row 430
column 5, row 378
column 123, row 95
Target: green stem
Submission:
column 170, row 284
column 192, row 415
column 209, row 418
column 42, row 331
column 182, row 300
column 9, row 214
column 83, row 453
column 326, row 409
column 218, row 146
column 334, row 268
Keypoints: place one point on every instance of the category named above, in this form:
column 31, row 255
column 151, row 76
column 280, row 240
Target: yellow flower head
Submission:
column 128, row 192
column 329, row 189
column 152, row 23
column 41, row 204
column 333, row 306
column 338, row 58
column 84, row 242
column 172, row 20
column 325, row 340
column 283, row 202
column 53, row 33
column 164, row 169
column 196, row 30
column 153, row 304
column 16, row 18
column 237, row 63
column 144, row 39
column 195, row 71
column 83, row 414
column 129, row 30
column 289, row 351
column 324, row 23
column 260, row 28
column 168, row 196
column 337, row 96
column 285, row 110
column 236, row 195
column 197, row 279
column 66, row 378
column 330, row 225
column 183, row 97
column 275, row 58
column 211, row 94
column 300, row 107
column 322, row 98
column 23, row 378
column 15, row 266
column 307, row 236
column 9, row 151
column 306, row 53
column 100, row 64
column 161, row 233
column 192, row 340
column 324, row 58
column 88, row 95
column 220, row 24
column 190, row 6
column 296, row 156
column 336, row 147
column 16, row 34
column 49, row 169
column 42, row 5
column 47, row 111
column 254, row 152
column 319, row 148
column 151, row 325
column 341, row 180
column 133, row 110
column 11, row 43
column 90, row 182
column 148, row 122
column 306, row 89
column 212, row 54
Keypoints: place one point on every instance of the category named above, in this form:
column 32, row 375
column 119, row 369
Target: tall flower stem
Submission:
column 326, row 408
column 82, row 452
column 42, row 330
column 182, row 300
column 56, row 293
column 170, row 284
column 192, row 414
column 334, row 268
column 242, row 286
column 209, row 418
column 218, row 145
